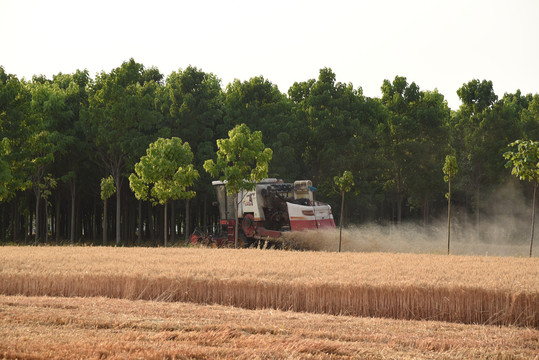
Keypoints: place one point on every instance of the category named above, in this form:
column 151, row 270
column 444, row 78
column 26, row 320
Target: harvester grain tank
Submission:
column 272, row 208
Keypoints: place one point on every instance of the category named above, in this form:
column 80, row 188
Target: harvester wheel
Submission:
column 248, row 225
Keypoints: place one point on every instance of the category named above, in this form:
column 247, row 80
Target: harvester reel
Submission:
column 198, row 237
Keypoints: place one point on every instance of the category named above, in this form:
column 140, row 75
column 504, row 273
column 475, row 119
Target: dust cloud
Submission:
column 503, row 230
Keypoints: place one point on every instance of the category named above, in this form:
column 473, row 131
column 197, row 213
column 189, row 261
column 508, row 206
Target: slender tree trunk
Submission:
column 399, row 208
column 94, row 226
column 38, row 196
column 426, row 210
column 205, row 213
column 172, row 222
column 399, row 196
column 28, row 237
column 118, row 213
column 105, row 222
column 477, row 217
column 16, row 219
column 165, row 229
column 187, row 220
column 236, row 209
column 46, row 221
column 340, row 220
column 73, row 213
column 533, row 216
column 449, row 216
column 139, row 237
column 151, row 223
column 58, row 227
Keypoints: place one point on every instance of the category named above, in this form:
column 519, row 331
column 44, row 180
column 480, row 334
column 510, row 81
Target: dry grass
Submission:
column 466, row 289
column 61, row 328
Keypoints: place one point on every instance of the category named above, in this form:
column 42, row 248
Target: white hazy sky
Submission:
column 435, row 43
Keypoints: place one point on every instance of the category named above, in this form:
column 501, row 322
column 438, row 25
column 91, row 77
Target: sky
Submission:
column 437, row 44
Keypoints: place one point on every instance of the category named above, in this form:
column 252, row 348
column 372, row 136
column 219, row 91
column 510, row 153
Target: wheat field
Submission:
column 98, row 328
column 463, row 289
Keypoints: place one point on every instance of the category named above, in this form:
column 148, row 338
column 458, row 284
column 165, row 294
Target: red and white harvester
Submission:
column 272, row 208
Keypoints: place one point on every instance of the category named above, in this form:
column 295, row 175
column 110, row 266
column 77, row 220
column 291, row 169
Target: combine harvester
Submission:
column 271, row 209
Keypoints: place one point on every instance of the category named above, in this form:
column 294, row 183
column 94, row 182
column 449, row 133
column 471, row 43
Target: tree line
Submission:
column 70, row 143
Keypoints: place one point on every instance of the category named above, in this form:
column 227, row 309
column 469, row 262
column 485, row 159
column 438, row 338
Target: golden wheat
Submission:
column 91, row 328
column 463, row 289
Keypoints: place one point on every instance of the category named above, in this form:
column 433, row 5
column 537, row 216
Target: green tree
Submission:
column 332, row 125
column 15, row 129
column 165, row 173
column 450, row 169
column 344, row 183
column 123, row 119
column 410, row 140
column 5, row 171
column 530, row 119
column 262, row 107
column 47, row 108
column 72, row 155
column 192, row 107
column 107, row 190
column 525, row 163
column 242, row 161
column 483, row 128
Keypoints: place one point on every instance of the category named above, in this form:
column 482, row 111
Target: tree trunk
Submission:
column 139, row 237
column 477, row 218
column 28, row 236
column 16, row 219
column 117, row 180
column 340, row 220
column 236, row 209
column 73, row 213
column 187, row 220
column 205, row 213
column 399, row 208
column 172, row 222
column 400, row 196
column 46, row 221
column 449, row 216
column 151, row 223
column 58, row 227
column 105, row 222
column 165, row 229
column 533, row 216
column 38, row 196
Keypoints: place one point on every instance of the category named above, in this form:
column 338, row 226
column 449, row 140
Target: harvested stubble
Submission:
column 64, row 328
column 483, row 290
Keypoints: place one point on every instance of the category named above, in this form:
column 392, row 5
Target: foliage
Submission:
column 525, row 163
column 525, row 160
column 450, row 168
column 345, row 182
column 242, row 159
column 165, row 173
column 107, row 187
column 81, row 129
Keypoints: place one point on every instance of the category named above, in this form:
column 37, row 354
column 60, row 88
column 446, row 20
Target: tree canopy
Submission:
column 80, row 129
